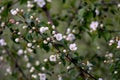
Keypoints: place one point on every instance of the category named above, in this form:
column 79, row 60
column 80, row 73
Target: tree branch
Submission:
column 82, row 72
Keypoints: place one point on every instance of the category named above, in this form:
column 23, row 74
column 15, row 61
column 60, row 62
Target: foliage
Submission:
column 59, row 39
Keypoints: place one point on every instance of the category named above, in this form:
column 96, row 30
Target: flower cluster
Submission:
column 14, row 11
column 43, row 29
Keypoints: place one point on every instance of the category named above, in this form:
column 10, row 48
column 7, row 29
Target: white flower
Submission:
column 64, row 51
column 97, row 12
column 42, row 76
column 53, row 32
column 40, row 3
column 119, row 43
column 30, row 50
column 13, row 11
column 48, row 39
column 20, row 52
column 53, row 26
column 68, row 31
column 70, row 37
column 52, row 58
column 118, row 5
column 43, row 68
column 34, row 76
column 94, row 25
column 43, row 29
column 73, row 47
column 60, row 77
column 68, row 67
column 100, row 78
column 45, row 42
column 28, row 65
column 58, row 36
column 17, row 40
column 32, row 69
column 37, row 63
column 45, row 60
column 8, row 70
column 29, row 4
column 29, row 44
column 115, row 72
column 2, row 42
column 26, row 58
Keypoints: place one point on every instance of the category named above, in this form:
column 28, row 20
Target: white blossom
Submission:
column 118, row 5
column 115, row 72
column 37, row 63
column 43, row 68
column 34, row 76
column 8, row 70
column 32, row 69
column 70, row 37
column 20, row 52
column 42, row 76
column 52, row 58
column 94, row 25
column 53, row 26
column 119, row 43
column 29, row 44
column 30, row 50
column 53, row 32
column 24, row 27
column 64, row 51
column 100, row 78
column 2, row 42
column 48, row 39
column 68, row 67
column 1, row 58
column 45, row 42
column 97, row 12
column 60, row 77
column 17, row 40
column 26, row 58
column 29, row 4
column 40, row 3
column 58, row 36
column 68, row 31
column 73, row 47
column 13, row 11
column 45, row 60
column 2, row 24
column 28, row 65
column 43, row 29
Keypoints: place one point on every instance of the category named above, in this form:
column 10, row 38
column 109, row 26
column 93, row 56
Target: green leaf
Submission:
column 81, row 13
column 45, row 47
column 62, row 57
column 23, row 1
